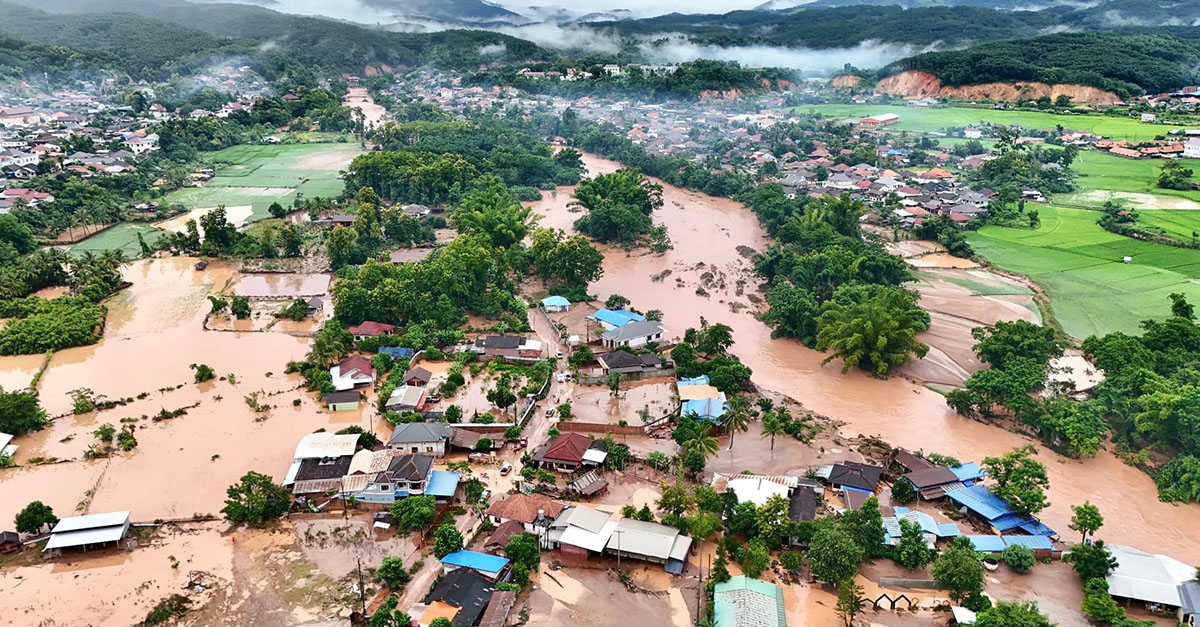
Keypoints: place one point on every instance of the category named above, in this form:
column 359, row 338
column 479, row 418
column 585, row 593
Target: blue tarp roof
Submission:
column 705, row 408
column 617, row 317
column 968, row 472
column 555, row 301
column 700, row 380
column 987, row 544
column 442, row 483
column 476, row 561
column 397, row 352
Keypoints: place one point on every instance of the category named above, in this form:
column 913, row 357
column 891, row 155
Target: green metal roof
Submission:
column 746, row 602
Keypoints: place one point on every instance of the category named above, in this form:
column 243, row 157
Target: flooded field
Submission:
column 597, row 404
column 282, row 285
column 714, row 233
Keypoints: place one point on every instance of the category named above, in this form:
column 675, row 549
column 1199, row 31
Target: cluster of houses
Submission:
column 608, row 69
column 333, row 465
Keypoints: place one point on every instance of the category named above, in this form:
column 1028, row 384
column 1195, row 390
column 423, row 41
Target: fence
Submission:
column 600, row 427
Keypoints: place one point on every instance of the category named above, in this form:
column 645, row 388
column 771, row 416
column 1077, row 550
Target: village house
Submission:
column 460, row 597
column 508, row 346
column 407, row 398
column 1158, row 581
column 417, row 376
column 533, row 511
column 409, row 475
column 651, row 542
column 555, row 304
column 370, row 328
column 856, row 476
column 568, row 452
column 580, row 532
column 430, row 438
column 744, row 602
column 346, row 400
column 492, row 567
column 321, row 448
column 633, row 335
column 351, row 372
column 625, row 362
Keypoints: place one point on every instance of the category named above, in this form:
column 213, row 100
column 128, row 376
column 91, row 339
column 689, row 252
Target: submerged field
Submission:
column 1092, row 291
column 925, row 120
column 256, row 176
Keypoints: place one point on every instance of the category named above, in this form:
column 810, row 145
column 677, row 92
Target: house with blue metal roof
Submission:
column 555, row 304
column 932, row 529
column 1040, row 545
column 981, row 503
column 616, row 318
column 493, row 567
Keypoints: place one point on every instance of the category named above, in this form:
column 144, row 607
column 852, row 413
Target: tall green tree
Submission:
column 833, row 555
column 1019, row 479
column 1086, row 519
column 959, row 571
column 874, row 330
column 255, row 499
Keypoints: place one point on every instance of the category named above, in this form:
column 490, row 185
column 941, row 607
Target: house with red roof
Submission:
column 370, row 328
column 564, row 453
column 352, row 372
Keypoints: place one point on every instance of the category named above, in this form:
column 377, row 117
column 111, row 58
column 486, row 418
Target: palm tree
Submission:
column 736, row 417
column 773, row 426
column 702, row 441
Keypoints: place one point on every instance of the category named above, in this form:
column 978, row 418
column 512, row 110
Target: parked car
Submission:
column 558, row 354
column 505, row 468
column 487, row 494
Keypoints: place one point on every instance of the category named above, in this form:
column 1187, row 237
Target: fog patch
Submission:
column 493, row 49
column 562, row 37
column 867, row 54
column 1114, row 18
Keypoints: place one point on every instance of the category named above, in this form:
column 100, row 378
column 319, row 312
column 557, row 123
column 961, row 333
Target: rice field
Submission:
column 925, row 120
column 1181, row 224
column 258, row 175
column 121, row 237
column 1092, row 291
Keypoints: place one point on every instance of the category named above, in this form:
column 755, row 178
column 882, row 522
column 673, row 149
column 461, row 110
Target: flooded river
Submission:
column 710, row 236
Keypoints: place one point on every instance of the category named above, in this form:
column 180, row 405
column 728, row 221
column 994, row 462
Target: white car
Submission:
column 505, row 468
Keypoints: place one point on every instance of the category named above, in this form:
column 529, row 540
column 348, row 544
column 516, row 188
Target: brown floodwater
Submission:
column 182, row 465
column 266, row 285
column 707, row 233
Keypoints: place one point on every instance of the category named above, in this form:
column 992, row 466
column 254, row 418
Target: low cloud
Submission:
column 493, row 49
column 1116, row 19
column 867, row 54
column 562, row 37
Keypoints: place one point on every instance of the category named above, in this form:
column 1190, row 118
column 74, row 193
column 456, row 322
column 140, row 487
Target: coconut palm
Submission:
column 704, row 442
column 773, row 426
column 736, row 417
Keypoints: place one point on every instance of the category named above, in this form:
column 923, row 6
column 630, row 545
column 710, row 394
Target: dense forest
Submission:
column 1130, row 64
column 687, row 82
column 154, row 40
column 20, row 58
column 844, row 27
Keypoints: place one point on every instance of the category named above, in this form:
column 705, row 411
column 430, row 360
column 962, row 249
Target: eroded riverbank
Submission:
column 712, row 238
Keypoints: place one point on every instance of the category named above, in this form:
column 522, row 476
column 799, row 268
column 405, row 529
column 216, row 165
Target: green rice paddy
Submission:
column 1080, row 265
column 937, row 119
column 260, row 175
column 121, row 237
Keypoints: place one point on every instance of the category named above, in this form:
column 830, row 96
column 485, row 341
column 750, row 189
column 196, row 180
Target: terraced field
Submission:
column 1092, row 291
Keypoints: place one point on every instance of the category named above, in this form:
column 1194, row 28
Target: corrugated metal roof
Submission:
column 91, row 521
column 987, row 544
column 643, row 538
column 746, row 602
column 592, row 541
column 1147, row 577
column 325, row 444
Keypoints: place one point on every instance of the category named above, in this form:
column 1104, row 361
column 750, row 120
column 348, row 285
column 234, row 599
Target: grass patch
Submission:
column 925, row 120
column 121, row 237
column 1080, row 265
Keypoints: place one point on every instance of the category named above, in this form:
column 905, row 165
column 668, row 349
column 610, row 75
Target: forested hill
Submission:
column 20, row 58
column 843, row 27
column 152, row 35
column 1127, row 64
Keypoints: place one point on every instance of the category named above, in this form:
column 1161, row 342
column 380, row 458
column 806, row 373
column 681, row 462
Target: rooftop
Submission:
column 746, row 602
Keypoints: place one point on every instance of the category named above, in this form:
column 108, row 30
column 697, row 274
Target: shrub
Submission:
column 1019, row 558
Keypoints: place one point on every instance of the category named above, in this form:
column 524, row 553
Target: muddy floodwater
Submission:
column 282, row 285
column 709, row 273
